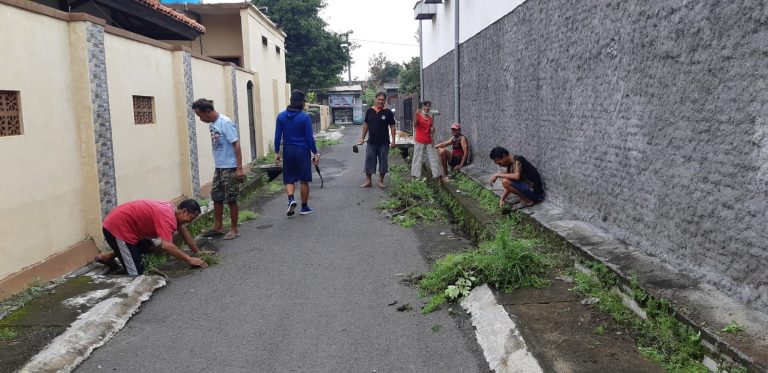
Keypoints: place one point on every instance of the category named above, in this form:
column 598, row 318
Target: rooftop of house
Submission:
column 155, row 4
column 225, row 9
column 346, row 88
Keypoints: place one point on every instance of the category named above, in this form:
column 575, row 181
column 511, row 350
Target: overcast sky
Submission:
column 378, row 26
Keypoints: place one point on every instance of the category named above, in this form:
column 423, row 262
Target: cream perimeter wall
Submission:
column 147, row 157
column 50, row 177
column 42, row 185
column 270, row 65
column 243, row 77
column 208, row 82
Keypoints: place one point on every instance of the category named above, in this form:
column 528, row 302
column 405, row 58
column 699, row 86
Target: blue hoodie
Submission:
column 294, row 127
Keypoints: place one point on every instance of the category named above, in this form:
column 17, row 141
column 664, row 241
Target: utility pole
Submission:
column 421, row 63
column 349, row 63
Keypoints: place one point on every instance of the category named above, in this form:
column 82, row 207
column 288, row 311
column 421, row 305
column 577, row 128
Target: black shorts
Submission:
column 130, row 255
column 454, row 161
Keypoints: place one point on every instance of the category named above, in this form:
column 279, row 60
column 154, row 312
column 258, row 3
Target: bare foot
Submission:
column 367, row 184
column 381, row 184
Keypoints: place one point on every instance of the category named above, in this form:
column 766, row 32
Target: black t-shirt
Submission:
column 378, row 125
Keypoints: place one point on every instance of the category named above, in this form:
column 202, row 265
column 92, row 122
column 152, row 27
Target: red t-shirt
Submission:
column 133, row 221
column 422, row 129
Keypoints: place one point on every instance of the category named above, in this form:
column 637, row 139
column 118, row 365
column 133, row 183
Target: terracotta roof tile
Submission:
column 155, row 4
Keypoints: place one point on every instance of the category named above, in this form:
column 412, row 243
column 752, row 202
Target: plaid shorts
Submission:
column 225, row 188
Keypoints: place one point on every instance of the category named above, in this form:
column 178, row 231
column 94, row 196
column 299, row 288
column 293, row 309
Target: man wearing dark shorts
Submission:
column 519, row 178
column 229, row 167
column 379, row 125
column 294, row 130
column 129, row 229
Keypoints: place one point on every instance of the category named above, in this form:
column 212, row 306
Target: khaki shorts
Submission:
column 225, row 188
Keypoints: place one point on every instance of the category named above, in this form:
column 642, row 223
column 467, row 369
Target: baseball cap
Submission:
column 455, row 126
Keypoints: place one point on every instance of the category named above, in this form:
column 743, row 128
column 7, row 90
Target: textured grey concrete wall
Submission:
column 646, row 118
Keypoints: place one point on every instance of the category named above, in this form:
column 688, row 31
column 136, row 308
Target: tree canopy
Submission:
column 383, row 70
column 410, row 79
column 315, row 57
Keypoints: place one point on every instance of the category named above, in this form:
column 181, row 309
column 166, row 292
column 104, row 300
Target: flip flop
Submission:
column 208, row 232
column 231, row 236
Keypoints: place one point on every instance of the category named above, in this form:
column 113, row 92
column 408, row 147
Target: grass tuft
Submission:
column 503, row 262
column 154, row 261
column 35, row 288
column 412, row 202
column 7, row 334
column 246, row 215
column 322, row 142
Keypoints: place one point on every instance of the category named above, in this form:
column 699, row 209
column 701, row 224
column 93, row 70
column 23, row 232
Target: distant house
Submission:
column 346, row 103
column 241, row 34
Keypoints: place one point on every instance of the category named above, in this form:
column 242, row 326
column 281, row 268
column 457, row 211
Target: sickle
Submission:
column 317, row 168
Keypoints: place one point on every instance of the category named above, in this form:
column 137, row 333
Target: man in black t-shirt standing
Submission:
column 379, row 125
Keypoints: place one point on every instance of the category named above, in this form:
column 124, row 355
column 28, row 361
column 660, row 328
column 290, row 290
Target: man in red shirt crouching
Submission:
column 129, row 229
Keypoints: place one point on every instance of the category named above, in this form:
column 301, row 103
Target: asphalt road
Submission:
column 302, row 294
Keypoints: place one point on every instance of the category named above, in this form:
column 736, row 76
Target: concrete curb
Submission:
column 93, row 328
column 502, row 343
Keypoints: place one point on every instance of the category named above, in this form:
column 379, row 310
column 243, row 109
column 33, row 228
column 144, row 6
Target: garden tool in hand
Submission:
column 317, row 168
column 355, row 148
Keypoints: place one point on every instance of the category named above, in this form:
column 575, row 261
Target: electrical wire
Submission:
column 384, row 42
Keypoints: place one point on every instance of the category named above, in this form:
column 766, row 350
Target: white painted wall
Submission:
column 474, row 16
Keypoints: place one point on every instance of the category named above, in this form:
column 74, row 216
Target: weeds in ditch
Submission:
column 154, row 261
column 7, row 334
column 35, row 288
column 412, row 202
column 503, row 262
column 202, row 222
column 209, row 259
column 323, row 142
column 274, row 186
column 246, row 215
column 733, row 327
column 661, row 337
column 267, row 159
column 487, row 200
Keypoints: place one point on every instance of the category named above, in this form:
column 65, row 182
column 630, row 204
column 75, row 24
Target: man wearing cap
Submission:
column 457, row 156
column 294, row 131
column 229, row 167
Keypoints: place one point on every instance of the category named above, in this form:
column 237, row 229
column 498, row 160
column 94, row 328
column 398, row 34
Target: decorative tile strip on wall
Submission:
column 190, row 98
column 102, row 121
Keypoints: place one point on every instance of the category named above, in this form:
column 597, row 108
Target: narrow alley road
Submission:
column 302, row 294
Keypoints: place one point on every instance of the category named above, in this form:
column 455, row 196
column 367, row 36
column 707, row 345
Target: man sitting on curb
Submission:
column 130, row 227
column 519, row 178
column 457, row 156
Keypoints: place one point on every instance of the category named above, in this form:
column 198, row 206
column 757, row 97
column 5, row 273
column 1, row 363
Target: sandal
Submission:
column 210, row 232
column 231, row 236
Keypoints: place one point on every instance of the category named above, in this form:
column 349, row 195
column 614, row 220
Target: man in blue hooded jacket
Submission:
column 294, row 131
